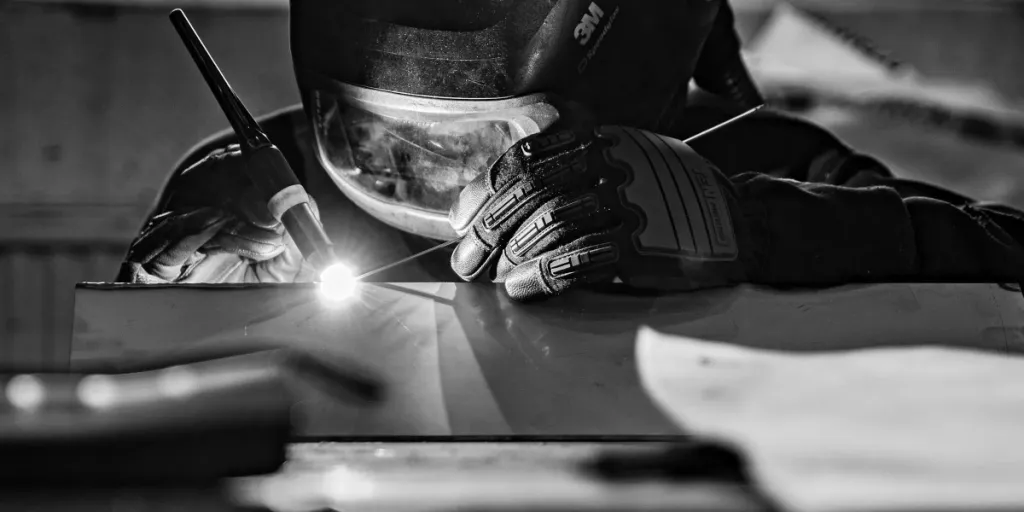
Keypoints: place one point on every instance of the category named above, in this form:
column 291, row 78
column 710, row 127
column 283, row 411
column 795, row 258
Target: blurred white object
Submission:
column 337, row 283
column 927, row 428
column 791, row 42
column 796, row 50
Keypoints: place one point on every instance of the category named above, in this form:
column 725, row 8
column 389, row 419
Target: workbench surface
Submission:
column 485, row 475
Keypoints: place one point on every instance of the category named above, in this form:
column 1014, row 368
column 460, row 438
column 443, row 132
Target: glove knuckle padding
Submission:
column 513, row 203
column 684, row 231
column 679, row 194
column 561, row 219
column 580, row 260
column 519, row 199
column 477, row 194
column 588, row 259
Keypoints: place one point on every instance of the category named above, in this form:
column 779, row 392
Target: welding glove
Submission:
column 600, row 205
column 213, row 227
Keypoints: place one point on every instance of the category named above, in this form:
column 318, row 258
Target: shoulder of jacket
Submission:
column 280, row 126
column 283, row 127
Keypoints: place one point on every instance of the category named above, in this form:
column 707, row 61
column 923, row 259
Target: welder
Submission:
column 545, row 136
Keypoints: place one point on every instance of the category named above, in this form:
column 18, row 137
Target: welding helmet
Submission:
column 411, row 100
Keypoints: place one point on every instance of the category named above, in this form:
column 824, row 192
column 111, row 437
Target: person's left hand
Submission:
column 598, row 205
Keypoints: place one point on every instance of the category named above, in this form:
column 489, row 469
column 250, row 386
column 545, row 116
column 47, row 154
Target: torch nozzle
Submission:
column 268, row 169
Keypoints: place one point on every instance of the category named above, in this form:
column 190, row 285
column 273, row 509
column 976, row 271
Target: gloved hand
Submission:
column 599, row 205
column 214, row 228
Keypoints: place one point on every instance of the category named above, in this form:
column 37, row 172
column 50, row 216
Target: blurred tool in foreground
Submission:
column 195, row 421
column 267, row 167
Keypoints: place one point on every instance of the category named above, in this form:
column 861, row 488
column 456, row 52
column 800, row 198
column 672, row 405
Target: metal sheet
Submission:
column 462, row 359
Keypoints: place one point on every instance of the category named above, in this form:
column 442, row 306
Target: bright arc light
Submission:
column 337, row 282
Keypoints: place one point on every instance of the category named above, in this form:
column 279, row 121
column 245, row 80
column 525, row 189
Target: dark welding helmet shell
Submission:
column 411, row 99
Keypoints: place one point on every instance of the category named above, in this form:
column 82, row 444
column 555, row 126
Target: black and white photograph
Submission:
column 511, row 255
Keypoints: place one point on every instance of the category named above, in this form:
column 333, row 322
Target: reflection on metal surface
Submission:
column 552, row 484
column 463, row 359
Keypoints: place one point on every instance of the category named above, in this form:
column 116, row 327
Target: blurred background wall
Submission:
column 98, row 100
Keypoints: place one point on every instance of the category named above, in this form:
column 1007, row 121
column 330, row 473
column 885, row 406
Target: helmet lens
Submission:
column 414, row 162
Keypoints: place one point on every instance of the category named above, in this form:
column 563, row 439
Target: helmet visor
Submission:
column 414, row 152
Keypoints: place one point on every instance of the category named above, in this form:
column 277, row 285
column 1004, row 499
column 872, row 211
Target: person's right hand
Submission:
column 213, row 227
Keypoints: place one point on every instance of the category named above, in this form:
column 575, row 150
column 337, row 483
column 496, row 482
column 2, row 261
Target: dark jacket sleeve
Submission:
column 820, row 213
column 767, row 142
column 813, row 234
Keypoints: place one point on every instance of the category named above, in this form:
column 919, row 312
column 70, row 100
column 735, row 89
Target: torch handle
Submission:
column 252, row 137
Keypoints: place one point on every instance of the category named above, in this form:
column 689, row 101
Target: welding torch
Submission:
column 267, row 167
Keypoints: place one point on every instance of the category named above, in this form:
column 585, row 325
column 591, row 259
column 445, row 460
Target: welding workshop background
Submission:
column 98, row 101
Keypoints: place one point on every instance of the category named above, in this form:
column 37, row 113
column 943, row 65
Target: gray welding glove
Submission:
column 600, row 205
column 213, row 227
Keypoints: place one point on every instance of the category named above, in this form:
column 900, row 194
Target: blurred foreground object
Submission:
column 193, row 421
column 915, row 428
column 482, row 476
column 463, row 359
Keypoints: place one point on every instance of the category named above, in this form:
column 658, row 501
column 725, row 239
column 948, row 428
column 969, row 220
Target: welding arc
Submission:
column 457, row 240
